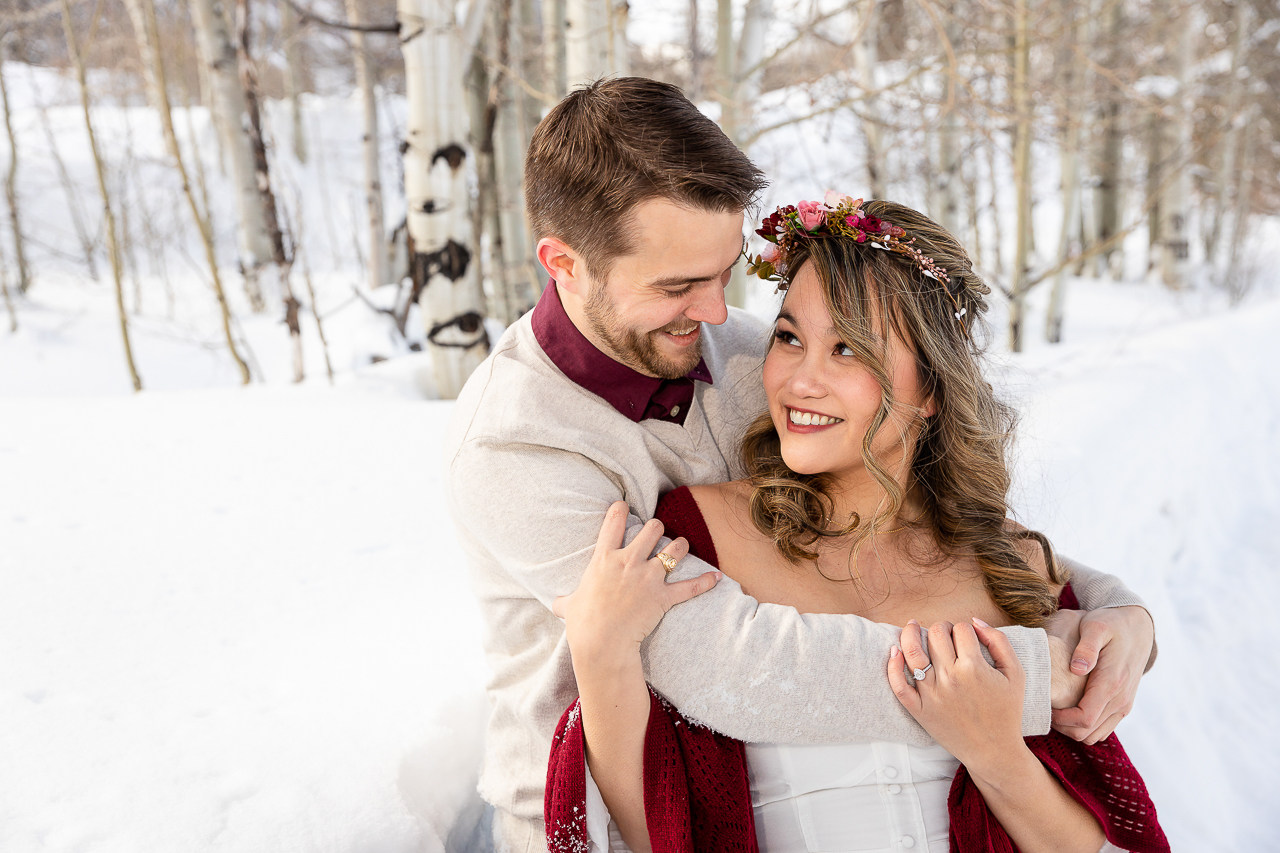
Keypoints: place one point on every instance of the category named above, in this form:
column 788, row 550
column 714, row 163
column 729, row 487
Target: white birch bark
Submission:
column 555, row 52
column 379, row 263
column 11, row 186
column 1104, row 220
column 436, row 162
column 1021, row 170
column 947, row 178
column 866, row 58
column 590, row 52
column 1233, row 118
column 741, row 78
column 109, row 220
column 1176, row 198
column 1073, row 79
column 218, row 53
column 294, row 74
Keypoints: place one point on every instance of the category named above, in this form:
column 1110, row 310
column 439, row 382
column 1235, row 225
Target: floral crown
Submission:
column 839, row 215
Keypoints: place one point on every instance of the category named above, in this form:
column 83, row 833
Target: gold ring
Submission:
column 668, row 561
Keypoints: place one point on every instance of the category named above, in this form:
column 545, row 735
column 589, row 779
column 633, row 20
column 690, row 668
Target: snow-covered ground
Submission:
column 236, row 619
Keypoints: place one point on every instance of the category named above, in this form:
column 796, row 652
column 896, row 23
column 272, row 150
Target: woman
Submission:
column 877, row 486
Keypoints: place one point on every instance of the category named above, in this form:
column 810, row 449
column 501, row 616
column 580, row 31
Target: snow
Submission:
column 237, row 619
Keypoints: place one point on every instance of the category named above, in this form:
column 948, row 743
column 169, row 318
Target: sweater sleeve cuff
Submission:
column 1032, row 648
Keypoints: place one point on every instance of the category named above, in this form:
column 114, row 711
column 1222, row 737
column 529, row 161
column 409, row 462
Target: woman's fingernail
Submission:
column 896, row 653
column 980, row 623
column 914, row 622
column 719, row 575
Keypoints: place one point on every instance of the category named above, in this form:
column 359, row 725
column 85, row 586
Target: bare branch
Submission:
column 306, row 16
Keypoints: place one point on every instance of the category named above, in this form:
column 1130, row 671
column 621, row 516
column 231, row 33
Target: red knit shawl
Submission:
column 697, row 796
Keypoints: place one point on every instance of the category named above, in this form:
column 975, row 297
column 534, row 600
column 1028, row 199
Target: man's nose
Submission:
column 708, row 305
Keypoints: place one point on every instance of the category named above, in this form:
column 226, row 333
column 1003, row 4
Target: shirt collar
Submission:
column 633, row 394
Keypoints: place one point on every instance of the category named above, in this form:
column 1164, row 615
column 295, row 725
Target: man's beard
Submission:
column 635, row 350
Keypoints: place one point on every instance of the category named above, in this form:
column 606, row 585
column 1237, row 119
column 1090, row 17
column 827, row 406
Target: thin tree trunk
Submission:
column 446, row 282
column 947, row 179
column 218, row 54
column 1021, row 170
column 4, row 289
column 280, row 254
column 1069, row 74
column 1110, row 159
column 294, row 75
column 11, row 187
column 589, row 35
column 1220, row 208
column 555, row 47
column 866, row 56
column 695, row 55
column 379, row 272
column 1175, row 204
column 113, row 250
column 1237, row 286
column 143, row 13
column 68, row 188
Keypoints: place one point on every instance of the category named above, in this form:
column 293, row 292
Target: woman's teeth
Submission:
column 810, row 419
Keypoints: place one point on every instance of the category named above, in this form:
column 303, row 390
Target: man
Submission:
column 629, row 378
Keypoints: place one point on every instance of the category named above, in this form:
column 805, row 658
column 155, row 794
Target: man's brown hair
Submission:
column 616, row 143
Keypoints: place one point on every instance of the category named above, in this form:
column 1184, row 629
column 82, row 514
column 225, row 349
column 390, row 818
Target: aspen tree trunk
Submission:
column 695, row 55
column 740, row 80
column 218, row 53
column 68, row 187
column 280, row 254
column 294, row 76
column 1231, row 139
column 1235, row 284
column 1175, row 201
column 1155, row 145
column 379, row 263
column 11, row 186
column 947, row 181
column 435, row 170
column 555, row 47
column 866, row 56
column 595, row 40
column 146, row 30
column 4, row 290
column 1021, row 170
column 1074, row 82
column 109, row 220
column 1110, row 159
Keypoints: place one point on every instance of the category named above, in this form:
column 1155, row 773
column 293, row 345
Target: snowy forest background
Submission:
column 235, row 618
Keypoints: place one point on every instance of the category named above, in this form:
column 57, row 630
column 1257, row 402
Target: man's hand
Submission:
column 1113, row 648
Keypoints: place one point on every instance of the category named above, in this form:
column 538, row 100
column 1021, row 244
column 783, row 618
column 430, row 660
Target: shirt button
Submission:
column 908, row 841
column 675, row 410
column 895, row 789
column 891, row 773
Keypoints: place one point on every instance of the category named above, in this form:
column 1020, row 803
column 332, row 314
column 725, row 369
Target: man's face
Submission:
column 648, row 313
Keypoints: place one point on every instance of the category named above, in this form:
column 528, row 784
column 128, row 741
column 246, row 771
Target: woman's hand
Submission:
column 971, row 708
column 624, row 592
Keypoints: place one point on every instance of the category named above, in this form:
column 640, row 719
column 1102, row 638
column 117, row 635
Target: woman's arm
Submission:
column 974, row 709
column 623, row 596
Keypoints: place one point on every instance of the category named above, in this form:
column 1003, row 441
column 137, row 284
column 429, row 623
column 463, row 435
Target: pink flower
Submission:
column 770, row 253
column 834, row 199
column 812, row 214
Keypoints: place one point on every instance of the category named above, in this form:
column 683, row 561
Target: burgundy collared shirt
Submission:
column 633, row 394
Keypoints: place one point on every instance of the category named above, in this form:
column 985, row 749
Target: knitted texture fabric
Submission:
column 697, row 795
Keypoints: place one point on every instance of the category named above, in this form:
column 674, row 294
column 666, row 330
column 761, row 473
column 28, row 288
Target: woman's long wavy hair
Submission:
column 956, row 464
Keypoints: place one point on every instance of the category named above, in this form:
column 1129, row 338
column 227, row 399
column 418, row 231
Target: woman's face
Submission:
column 822, row 398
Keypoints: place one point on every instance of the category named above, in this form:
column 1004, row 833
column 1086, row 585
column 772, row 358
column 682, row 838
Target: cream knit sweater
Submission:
column 533, row 460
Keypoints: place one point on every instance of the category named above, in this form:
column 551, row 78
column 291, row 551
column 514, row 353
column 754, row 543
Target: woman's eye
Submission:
column 786, row 338
column 844, row 349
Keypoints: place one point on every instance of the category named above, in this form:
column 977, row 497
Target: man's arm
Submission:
column 756, row 672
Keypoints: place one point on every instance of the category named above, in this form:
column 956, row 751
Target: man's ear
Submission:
column 564, row 265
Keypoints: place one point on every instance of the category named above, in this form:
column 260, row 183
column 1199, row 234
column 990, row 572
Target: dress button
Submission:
column 675, row 410
column 891, row 773
column 908, row 841
column 895, row 789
